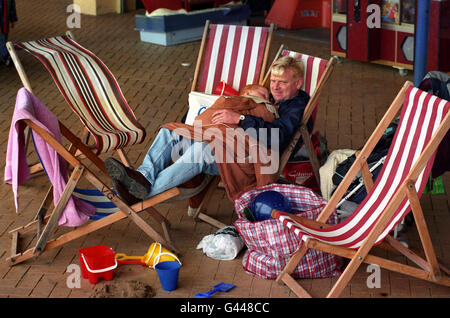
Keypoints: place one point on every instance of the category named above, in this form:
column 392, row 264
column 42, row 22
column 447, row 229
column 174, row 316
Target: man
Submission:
column 8, row 16
column 156, row 174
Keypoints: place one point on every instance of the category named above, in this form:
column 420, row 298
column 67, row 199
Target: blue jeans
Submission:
column 4, row 54
column 190, row 159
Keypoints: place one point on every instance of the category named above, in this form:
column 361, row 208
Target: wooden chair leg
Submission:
column 306, row 137
column 345, row 277
column 204, row 217
column 423, row 232
column 295, row 260
column 285, row 275
column 59, row 208
column 45, row 205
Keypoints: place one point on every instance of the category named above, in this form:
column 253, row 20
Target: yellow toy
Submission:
column 155, row 254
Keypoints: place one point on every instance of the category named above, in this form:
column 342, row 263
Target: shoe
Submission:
column 133, row 181
column 123, row 194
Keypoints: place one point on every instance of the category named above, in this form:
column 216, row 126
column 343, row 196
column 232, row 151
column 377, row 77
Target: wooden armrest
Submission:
column 302, row 220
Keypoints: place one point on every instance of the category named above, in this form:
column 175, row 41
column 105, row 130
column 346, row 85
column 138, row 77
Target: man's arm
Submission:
column 290, row 114
column 286, row 125
column 225, row 116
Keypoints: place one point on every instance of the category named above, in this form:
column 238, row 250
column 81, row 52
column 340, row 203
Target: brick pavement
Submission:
column 156, row 87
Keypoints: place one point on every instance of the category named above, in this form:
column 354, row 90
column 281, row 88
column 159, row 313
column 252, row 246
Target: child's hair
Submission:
column 249, row 88
column 284, row 62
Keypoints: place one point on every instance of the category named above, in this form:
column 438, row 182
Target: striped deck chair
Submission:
column 236, row 55
column 89, row 88
column 109, row 208
column 424, row 121
column 317, row 72
column 103, row 206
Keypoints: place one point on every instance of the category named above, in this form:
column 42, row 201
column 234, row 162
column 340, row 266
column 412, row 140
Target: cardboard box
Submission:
column 98, row 7
column 180, row 28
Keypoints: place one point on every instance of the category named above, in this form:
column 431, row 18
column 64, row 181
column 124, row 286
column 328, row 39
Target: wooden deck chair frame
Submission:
column 45, row 225
column 199, row 214
column 428, row 267
column 311, row 107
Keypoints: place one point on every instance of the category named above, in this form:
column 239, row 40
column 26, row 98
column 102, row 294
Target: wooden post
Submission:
column 200, row 56
column 266, row 52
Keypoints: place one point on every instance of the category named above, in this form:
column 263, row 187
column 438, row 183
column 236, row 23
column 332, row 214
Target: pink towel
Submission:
column 16, row 170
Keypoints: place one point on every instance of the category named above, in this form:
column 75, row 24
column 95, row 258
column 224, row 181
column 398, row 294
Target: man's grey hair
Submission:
column 284, row 62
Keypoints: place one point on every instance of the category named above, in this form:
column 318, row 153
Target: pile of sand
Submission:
column 122, row 289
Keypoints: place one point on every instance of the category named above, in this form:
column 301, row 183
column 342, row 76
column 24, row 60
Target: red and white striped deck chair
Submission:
column 236, row 55
column 89, row 88
column 424, row 121
column 317, row 72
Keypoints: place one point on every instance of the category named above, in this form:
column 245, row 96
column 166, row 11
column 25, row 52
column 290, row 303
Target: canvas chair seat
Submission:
column 236, row 55
column 103, row 206
column 90, row 89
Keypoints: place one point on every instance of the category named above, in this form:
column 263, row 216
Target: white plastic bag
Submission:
column 224, row 245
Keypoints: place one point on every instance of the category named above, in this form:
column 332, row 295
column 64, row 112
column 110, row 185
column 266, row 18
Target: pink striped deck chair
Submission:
column 424, row 121
column 236, row 55
column 317, row 72
column 89, row 88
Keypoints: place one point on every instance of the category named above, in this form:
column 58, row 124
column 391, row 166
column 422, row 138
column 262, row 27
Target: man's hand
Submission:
column 225, row 116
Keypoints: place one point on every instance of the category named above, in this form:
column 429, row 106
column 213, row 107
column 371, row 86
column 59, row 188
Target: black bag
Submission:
column 438, row 84
column 380, row 151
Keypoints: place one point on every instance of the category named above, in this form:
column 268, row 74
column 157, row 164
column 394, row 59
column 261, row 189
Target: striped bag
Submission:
column 270, row 245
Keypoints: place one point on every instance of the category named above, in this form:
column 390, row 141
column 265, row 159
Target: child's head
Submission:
column 255, row 90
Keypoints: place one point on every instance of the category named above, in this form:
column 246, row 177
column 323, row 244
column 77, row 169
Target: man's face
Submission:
column 284, row 86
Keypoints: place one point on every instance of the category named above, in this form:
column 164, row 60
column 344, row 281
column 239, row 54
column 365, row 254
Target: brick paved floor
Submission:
column 156, row 87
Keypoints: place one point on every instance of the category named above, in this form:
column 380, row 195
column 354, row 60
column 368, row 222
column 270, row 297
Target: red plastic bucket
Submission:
column 97, row 261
